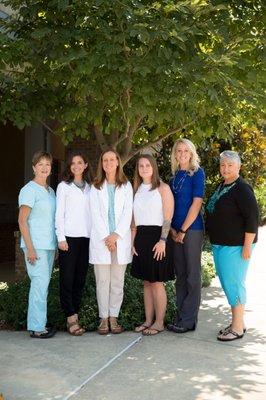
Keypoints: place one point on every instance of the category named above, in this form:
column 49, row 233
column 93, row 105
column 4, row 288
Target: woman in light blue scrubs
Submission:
column 38, row 241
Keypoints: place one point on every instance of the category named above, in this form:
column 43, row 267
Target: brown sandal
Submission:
column 141, row 328
column 75, row 332
column 115, row 327
column 151, row 331
column 103, row 328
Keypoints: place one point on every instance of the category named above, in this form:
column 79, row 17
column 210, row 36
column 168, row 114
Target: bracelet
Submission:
column 163, row 239
column 182, row 231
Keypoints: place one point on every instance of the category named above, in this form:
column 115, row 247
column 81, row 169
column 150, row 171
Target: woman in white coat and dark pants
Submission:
column 111, row 201
column 72, row 223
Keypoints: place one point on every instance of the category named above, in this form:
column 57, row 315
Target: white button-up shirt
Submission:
column 72, row 216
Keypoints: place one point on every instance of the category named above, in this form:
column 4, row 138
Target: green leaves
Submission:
column 112, row 63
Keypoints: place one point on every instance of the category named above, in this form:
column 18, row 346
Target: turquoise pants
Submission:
column 39, row 274
column 231, row 269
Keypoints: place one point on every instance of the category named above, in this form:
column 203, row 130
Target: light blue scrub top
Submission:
column 111, row 207
column 41, row 220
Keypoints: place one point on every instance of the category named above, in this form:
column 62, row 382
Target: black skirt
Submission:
column 144, row 266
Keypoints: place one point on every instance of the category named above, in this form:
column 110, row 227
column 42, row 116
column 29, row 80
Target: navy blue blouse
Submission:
column 185, row 188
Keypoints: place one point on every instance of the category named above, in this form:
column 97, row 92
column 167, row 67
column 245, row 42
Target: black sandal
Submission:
column 229, row 335
column 42, row 335
column 223, row 330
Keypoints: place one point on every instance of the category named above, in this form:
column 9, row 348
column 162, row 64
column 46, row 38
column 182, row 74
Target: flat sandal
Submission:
column 103, row 328
column 75, row 332
column 229, row 335
column 227, row 328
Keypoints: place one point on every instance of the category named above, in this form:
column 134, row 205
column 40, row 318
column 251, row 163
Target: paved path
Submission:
column 193, row 366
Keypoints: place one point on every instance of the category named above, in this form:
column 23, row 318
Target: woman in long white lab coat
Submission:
column 111, row 201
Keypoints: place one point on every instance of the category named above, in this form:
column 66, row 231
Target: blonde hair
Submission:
column 120, row 178
column 194, row 160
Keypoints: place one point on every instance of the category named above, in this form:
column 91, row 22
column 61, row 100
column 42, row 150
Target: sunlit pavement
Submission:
column 192, row 366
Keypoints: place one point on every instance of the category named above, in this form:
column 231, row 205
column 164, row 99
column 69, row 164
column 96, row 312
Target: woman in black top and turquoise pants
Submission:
column 232, row 224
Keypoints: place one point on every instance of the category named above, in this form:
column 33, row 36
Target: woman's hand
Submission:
column 180, row 237
column 63, row 245
column 159, row 250
column 246, row 252
column 110, row 241
column 173, row 233
column 32, row 256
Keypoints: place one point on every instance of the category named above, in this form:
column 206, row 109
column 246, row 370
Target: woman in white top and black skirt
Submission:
column 152, row 260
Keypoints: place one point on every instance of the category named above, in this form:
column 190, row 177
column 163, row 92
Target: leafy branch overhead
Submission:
column 132, row 72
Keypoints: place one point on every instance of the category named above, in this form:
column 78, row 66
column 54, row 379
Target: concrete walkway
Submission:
column 192, row 366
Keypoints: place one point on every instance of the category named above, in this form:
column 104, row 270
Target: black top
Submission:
column 234, row 213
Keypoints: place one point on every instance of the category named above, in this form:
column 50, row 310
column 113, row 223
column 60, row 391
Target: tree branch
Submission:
column 129, row 131
column 47, row 127
column 114, row 138
column 100, row 137
column 135, row 151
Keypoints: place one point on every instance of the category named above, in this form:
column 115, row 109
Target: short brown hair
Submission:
column 155, row 179
column 120, row 177
column 39, row 155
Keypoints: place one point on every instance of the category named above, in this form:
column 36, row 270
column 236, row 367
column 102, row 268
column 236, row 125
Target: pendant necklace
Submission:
column 178, row 186
column 219, row 192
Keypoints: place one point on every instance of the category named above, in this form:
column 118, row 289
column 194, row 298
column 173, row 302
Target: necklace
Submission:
column 80, row 185
column 177, row 186
column 219, row 192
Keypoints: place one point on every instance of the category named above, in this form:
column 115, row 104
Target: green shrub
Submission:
column 14, row 300
column 208, row 270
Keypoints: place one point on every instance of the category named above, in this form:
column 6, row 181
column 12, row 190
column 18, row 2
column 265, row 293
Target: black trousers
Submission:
column 187, row 262
column 73, row 267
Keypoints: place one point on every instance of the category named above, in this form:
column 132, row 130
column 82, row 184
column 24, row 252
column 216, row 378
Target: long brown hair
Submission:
column 155, row 179
column 67, row 175
column 120, row 177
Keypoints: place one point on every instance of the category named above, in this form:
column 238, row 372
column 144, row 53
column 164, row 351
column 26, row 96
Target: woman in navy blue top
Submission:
column 187, row 186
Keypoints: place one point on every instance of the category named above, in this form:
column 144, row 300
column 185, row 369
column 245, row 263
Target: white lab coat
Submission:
column 72, row 217
column 123, row 202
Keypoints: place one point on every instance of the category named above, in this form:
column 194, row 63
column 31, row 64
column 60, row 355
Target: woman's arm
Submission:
column 192, row 214
column 168, row 211
column 60, row 217
column 133, row 235
column 247, row 204
column 246, row 251
column 24, row 213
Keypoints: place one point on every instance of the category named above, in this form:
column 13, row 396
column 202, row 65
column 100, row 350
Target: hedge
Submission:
column 14, row 300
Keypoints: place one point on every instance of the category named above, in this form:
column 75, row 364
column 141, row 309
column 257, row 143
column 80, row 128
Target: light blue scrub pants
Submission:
column 39, row 274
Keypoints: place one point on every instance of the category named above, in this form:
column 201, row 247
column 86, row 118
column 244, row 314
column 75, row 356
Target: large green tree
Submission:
column 132, row 72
